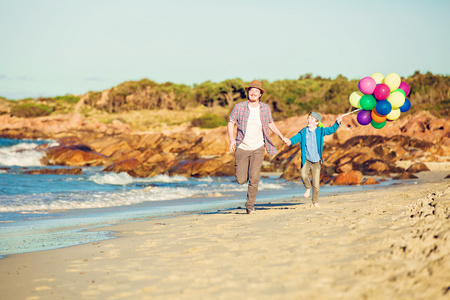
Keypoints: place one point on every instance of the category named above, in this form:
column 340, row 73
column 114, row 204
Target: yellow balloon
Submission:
column 354, row 98
column 378, row 77
column 396, row 99
column 392, row 80
column 394, row 114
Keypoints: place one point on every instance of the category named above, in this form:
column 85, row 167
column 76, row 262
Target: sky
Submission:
column 52, row 48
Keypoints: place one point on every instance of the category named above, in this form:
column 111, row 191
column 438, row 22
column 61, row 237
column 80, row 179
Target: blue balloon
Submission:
column 406, row 106
column 383, row 107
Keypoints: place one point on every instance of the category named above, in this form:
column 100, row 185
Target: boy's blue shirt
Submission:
column 300, row 137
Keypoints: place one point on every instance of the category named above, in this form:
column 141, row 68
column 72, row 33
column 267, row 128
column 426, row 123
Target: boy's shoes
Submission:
column 251, row 211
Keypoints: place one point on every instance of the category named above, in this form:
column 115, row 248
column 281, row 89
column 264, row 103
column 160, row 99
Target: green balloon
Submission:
column 378, row 125
column 401, row 91
column 367, row 102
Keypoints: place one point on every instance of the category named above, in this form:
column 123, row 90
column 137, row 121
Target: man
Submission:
column 253, row 120
column 311, row 141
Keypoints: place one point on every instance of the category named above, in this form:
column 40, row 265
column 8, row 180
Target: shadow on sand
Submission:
column 258, row 207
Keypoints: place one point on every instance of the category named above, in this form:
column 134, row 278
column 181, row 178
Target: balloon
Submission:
column 367, row 102
column 378, row 77
column 367, row 85
column 397, row 99
column 392, row 80
column 406, row 106
column 405, row 87
column 376, row 117
column 364, row 117
column 400, row 91
column 383, row 107
column 354, row 98
column 394, row 114
column 378, row 125
column 382, row 91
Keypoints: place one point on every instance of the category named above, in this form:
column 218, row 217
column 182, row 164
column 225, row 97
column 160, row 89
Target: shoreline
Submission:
column 70, row 227
column 351, row 248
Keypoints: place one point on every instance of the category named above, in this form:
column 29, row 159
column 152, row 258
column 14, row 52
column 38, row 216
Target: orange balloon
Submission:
column 376, row 117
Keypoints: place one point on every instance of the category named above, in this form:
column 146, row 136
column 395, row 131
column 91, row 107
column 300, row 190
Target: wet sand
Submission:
column 383, row 243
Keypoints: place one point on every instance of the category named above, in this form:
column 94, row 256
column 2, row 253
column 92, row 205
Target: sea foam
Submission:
column 112, row 178
column 23, row 155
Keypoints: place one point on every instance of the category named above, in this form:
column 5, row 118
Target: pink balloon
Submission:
column 382, row 91
column 367, row 85
column 405, row 87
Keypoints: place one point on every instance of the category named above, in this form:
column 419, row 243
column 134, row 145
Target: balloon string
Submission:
column 348, row 127
column 351, row 112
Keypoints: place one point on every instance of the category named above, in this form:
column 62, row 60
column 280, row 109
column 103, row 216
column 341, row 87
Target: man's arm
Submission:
column 275, row 129
column 230, row 135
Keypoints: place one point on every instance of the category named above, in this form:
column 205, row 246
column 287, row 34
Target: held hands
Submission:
column 286, row 141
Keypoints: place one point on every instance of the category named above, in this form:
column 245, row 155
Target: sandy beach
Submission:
column 383, row 243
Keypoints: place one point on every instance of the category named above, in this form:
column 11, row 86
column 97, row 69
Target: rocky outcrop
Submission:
column 73, row 155
column 359, row 150
column 219, row 166
column 72, row 171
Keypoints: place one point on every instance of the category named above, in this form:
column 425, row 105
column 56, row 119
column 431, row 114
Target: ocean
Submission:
column 42, row 212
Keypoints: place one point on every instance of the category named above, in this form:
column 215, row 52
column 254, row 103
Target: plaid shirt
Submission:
column 240, row 115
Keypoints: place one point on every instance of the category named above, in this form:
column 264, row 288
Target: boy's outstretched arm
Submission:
column 334, row 128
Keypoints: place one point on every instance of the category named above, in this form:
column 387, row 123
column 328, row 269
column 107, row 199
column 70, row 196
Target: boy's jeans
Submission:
column 246, row 168
column 315, row 170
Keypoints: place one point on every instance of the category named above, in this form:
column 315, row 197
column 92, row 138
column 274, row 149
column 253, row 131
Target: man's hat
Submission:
column 255, row 84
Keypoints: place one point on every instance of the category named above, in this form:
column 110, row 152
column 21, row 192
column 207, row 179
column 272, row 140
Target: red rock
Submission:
column 350, row 178
column 73, row 155
column 167, row 158
column 123, row 166
column 83, row 158
column 417, row 167
column 405, row 175
column 219, row 166
column 437, row 125
column 370, row 181
column 378, row 167
column 345, row 168
column 73, row 171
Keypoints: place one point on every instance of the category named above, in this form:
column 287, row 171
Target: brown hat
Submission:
column 255, row 84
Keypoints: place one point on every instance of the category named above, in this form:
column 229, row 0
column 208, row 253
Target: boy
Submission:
column 311, row 141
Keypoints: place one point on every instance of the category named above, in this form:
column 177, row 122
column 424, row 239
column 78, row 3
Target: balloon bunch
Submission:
column 380, row 99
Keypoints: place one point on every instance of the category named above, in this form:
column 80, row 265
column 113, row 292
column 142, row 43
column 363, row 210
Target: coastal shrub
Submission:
column 30, row 110
column 288, row 97
column 209, row 121
column 68, row 98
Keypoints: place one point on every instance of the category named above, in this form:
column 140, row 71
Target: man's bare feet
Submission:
column 306, row 195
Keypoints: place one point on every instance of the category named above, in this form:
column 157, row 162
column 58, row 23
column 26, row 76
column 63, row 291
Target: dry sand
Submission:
column 385, row 243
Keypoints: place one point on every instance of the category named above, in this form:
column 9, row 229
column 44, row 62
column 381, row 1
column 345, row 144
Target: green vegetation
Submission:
column 209, row 121
column 67, row 98
column 286, row 98
column 30, row 110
